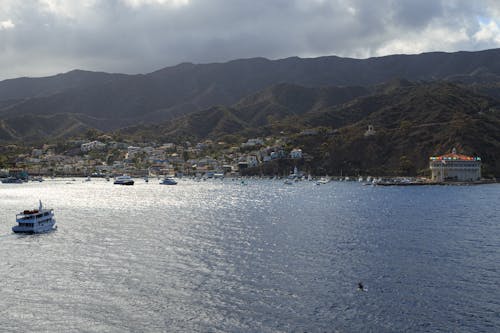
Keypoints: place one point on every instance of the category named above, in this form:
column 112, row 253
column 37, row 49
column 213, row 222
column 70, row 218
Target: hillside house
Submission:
column 296, row 153
column 93, row 145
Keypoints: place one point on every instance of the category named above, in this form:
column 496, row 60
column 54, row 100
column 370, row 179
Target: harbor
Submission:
column 217, row 254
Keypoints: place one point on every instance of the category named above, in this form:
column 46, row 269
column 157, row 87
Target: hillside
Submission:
column 412, row 122
column 420, row 105
column 36, row 128
column 124, row 100
column 270, row 106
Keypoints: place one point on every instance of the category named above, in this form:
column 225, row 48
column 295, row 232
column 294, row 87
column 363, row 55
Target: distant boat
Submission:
column 12, row 180
column 295, row 174
column 124, row 180
column 168, row 181
column 35, row 221
column 323, row 180
column 219, row 175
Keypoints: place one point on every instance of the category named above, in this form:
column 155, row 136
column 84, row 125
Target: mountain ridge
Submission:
column 412, row 120
column 176, row 90
column 406, row 97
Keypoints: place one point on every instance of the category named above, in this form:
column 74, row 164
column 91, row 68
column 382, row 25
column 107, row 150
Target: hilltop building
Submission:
column 455, row 167
column 370, row 131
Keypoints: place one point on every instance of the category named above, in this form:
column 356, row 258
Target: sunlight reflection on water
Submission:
column 221, row 256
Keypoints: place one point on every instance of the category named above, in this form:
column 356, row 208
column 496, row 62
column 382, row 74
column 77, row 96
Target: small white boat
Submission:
column 168, row 181
column 35, row 221
column 124, row 180
column 323, row 180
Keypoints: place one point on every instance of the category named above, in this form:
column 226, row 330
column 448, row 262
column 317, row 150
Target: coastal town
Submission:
column 105, row 156
column 270, row 156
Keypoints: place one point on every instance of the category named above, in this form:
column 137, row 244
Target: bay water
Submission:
column 222, row 256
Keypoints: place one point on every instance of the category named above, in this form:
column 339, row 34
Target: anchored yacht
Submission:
column 168, row 181
column 124, row 180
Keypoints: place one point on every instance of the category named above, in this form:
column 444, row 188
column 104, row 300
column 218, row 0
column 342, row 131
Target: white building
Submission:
column 296, row 153
column 94, row 145
column 253, row 142
column 309, row 132
column 36, row 152
column 455, row 167
column 252, row 161
column 370, row 131
column 132, row 151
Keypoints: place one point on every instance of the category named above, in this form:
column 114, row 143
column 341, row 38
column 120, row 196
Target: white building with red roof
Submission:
column 455, row 167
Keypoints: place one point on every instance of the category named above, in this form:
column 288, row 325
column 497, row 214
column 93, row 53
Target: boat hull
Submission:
column 131, row 182
column 48, row 227
column 168, row 181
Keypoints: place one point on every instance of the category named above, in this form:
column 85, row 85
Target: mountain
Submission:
column 285, row 100
column 412, row 121
column 25, row 87
column 123, row 100
column 258, row 110
column 35, row 128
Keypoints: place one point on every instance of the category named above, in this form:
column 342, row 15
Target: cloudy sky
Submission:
column 44, row 37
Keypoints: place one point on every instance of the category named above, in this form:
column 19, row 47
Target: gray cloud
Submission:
column 42, row 37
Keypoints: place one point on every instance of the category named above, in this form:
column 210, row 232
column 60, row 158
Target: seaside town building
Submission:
column 89, row 146
column 455, row 167
column 252, row 142
column 296, row 153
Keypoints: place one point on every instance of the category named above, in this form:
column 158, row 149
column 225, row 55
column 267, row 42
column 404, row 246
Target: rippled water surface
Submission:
column 218, row 256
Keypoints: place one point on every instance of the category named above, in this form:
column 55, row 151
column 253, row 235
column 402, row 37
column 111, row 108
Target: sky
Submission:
column 46, row 37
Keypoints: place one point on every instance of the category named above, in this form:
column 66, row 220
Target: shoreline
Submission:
column 480, row 182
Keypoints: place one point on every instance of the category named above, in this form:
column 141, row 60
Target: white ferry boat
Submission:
column 35, row 221
column 124, row 180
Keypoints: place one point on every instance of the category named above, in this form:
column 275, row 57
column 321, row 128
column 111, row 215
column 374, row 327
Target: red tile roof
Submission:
column 455, row 157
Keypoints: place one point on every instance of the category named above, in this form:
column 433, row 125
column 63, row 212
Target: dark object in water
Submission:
column 360, row 286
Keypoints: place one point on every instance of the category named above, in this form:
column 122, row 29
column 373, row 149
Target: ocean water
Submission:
column 219, row 256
